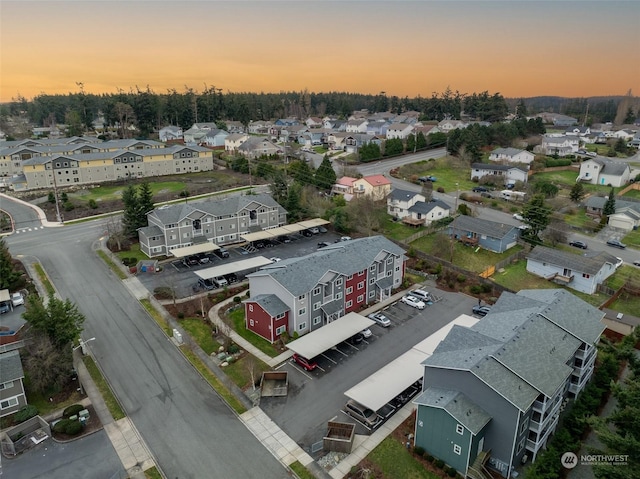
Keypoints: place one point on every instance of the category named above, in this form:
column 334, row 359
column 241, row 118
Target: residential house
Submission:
column 490, row 235
column 217, row 221
column 234, row 126
column 557, row 119
column 559, row 145
column 511, row 155
column 170, row 133
column 414, row 209
column 233, row 141
column 313, row 122
column 12, row 396
column 603, row 171
column 256, row 146
column 626, row 134
column 335, row 125
column 582, row 272
column 354, row 141
column 378, row 128
column 214, row 138
column 578, row 131
column 626, row 216
column 445, row 126
column 357, row 126
column 377, row 187
column 426, row 129
column 302, row 294
column 195, row 134
column 259, row 127
column 292, row 133
column 97, row 167
column 336, row 140
column 511, row 174
column 493, row 392
column 286, row 122
column 399, row 130
column 315, row 137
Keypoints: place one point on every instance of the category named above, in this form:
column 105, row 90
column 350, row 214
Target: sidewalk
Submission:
column 129, row 446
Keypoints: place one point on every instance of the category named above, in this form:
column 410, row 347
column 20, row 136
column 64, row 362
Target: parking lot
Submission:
column 317, row 396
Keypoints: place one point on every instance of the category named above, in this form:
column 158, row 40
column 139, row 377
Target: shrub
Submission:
column 73, row 428
column 429, row 457
column 25, row 413
column 461, row 278
column 440, row 189
column 180, row 315
column 61, row 426
column 475, row 289
column 163, row 292
column 419, row 450
column 439, row 463
column 451, row 472
column 68, row 206
column 233, row 349
column 92, row 204
column 72, row 410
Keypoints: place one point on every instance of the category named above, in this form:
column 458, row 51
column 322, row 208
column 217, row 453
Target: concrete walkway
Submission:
column 131, row 449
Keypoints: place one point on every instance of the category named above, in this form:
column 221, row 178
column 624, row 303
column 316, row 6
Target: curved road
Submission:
column 190, row 430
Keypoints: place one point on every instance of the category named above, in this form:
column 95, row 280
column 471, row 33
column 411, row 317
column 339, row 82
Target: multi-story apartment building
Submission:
column 216, row 221
column 12, row 396
column 300, row 295
column 495, row 390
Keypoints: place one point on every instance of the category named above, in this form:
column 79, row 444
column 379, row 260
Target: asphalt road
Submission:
column 188, row 428
column 91, row 457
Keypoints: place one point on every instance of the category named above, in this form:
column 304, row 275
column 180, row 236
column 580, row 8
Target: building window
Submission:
column 7, row 403
column 339, row 282
column 7, row 385
column 280, row 330
column 349, row 290
column 459, row 429
column 349, row 304
column 301, row 311
column 520, row 446
column 251, row 322
column 301, row 297
column 251, row 308
column 302, row 326
column 457, row 449
column 361, row 285
column 338, row 295
column 316, row 306
column 372, row 280
column 280, row 316
column 360, row 298
column 317, row 320
column 524, row 426
column 372, row 294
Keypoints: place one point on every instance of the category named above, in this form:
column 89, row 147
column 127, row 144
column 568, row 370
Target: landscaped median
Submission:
column 105, row 391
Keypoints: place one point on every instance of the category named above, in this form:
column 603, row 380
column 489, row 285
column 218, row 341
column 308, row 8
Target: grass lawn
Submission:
column 396, row 461
column 105, row 391
column 301, row 471
column 44, row 279
column 102, row 193
column 516, row 277
column 633, row 194
column 152, row 473
column 397, row 230
column 579, row 218
column 568, row 179
column 622, row 275
column 463, row 256
column 237, row 316
column 627, row 304
column 240, row 371
column 201, row 334
column 133, row 252
column 114, row 267
column 42, row 403
column 447, row 175
column 157, row 317
column 632, row 239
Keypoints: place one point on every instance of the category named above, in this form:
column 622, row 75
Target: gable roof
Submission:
column 11, row 366
column 425, row 207
column 377, row 180
column 589, row 262
column 509, row 151
column 403, row 195
column 480, row 226
column 597, row 202
column 459, row 406
column 270, row 303
column 610, row 167
column 493, row 166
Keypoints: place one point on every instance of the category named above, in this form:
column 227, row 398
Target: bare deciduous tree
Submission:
column 48, row 367
column 116, row 233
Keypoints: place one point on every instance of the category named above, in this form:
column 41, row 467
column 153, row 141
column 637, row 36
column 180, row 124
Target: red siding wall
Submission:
column 262, row 321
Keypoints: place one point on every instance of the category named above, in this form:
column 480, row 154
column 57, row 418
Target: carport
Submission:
column 283, row 230
column 194, row 249
column 242, row 265
column 387, row 383
column 317, row 342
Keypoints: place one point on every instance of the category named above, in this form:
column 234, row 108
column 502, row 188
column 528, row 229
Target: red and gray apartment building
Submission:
column 300, row 295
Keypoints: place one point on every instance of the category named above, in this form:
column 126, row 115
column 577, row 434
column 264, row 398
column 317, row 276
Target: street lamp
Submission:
column 457, row 196
column 83, row 344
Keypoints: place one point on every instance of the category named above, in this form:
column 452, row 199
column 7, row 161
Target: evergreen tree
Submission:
column 293, row 204
column 609, row 207
column 325, row 174
column 145, row 201
column 577, row 192
column 130, row 213
column 60, row 320
column 279, row 187
column 8, row 275
column 630, row 117
column 537, row 216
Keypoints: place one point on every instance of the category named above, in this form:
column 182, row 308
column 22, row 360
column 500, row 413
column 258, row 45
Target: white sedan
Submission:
column 17, row 299
column 518, row 216
column 413, row 301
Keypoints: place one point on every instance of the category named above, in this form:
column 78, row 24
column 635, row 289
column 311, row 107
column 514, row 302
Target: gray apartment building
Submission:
column 492, row 393
column 219, row 221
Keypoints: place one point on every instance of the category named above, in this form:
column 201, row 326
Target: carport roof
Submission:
column 5, row 296
column 194, row 249
column 234, row 267
column 312, row 344
column 283, row 230
column 385, row 384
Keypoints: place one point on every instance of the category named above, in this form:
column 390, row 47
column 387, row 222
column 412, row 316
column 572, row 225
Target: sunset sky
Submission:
column 404, row 48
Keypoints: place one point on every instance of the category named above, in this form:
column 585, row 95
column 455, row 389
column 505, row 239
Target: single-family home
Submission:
column 302, row 294
column 286, row 122
column 233, row 141
column 216, row 221
column 259, row 127
column 582, row 272
column 492, row 393
column 414, row 209
column 197, row 131
column 490, row 235
column 578, row 131
column 377, row 127
column 376, row 187
column 626, row 216
column 214, row 138
column 354, row 141
column 12, row 395
column 511, row 174
column 560, row 145
column 445, row 126
column 625, row 133
column 170, row 133
column 511, row 155
column 336, row 140
column 334, row 124
column 399, row 130
column 603, row 171
column 234, row 126
column 313, row 122
column 255, row 146
column 357, row 126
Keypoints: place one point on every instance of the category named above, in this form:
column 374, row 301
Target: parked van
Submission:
column 511, row 195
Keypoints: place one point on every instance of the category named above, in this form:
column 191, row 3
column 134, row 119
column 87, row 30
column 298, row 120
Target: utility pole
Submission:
column 55, row 189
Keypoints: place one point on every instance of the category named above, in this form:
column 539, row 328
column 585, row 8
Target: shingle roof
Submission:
column 402, row 195
column 588, row 262
column 425, row 207
column 597, row 202
column 459, row 406
column 611, row 167
column 493, row 166
column 271, row 304
column 508, row 151
column 480, row 226
column 301, row 275
column 10, row 366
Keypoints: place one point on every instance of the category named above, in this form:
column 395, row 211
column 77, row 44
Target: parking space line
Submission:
column 300, row 369
column 338, row 349
column 356, row 420
column 327, row 357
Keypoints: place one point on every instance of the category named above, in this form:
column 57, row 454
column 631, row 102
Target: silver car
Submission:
column 380, row 319
column 363, row 414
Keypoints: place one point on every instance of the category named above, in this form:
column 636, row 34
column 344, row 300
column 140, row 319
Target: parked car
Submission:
column 356, row 338
column 481, row 310
column 17, row 299
column 430, row 178
column 366, row 333
column 421, row 294
column 616, row 244
column 322, row 229
column 304, row 362
column 486, row 194
column 275, row 259
column 306, row 233
column 4, row 308
column 619, row 262
column 284, row 239
column 380, row 319
column 413, row 301
column 518, row 216
column 314, row 230
column 207, row 284
column 191, row 261
column 220, row 281
column 203, row 258
column 636, row 262
column 222, row 253
column 480, row 189
column 323, row 244
column 231, row 278
column 578, row 244
column 363, row 414
column 345, row 238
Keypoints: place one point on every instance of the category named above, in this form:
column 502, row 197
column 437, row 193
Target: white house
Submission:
column 214, row 138
column 511, row 155
column 560, row 145
column 357, row 126
column 170, row 133
column 603, row 171
column 445, row 126
column 582, row 272
column 234, row 140
column 625, row 134
column 413, row 208
column 399, row 130
column 511, row 174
